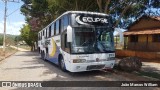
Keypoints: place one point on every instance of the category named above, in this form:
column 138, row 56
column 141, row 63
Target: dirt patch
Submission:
column 148, row 70
column 9, row 52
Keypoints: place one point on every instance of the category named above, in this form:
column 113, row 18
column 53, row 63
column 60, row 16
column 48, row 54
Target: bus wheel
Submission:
column 42, row 56
column 62, row 64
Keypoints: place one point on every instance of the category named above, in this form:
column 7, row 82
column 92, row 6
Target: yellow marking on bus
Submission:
column 54, row 48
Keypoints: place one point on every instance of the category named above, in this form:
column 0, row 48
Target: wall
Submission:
column 142, row 44
column 140, row 54
column 142, row 38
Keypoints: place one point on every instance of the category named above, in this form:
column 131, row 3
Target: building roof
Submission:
column 148, row 31
column 145, row 31
column 157, row 18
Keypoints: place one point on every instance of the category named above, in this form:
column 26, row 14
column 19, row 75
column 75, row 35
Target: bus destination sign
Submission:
column 91, row 20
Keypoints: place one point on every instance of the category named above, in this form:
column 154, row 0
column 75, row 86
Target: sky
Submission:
column 14, row 21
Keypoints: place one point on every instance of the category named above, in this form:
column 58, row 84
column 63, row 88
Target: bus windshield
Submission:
column 92, row 40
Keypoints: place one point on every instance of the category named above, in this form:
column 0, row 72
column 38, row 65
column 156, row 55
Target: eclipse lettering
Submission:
column 91, row 19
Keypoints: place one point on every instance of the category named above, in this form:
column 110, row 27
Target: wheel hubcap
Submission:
column 62, row 63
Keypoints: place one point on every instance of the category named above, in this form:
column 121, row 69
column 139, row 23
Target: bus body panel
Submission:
column 54, row 49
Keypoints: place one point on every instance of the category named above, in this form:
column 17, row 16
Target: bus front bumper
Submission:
column 80, row 67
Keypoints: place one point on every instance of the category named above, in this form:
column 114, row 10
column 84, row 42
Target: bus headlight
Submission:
column 79, row 60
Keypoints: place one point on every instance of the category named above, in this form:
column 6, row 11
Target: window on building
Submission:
column 134, row 38
column 156, row 38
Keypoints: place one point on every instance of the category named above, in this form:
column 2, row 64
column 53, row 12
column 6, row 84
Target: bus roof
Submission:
column 84, row 12
column 81, row 12
column 76, row 12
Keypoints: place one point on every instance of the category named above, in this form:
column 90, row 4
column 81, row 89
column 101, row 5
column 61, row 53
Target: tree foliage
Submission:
column 125, row 12
column 39, row 13
column 1, row 40
column 28, row 35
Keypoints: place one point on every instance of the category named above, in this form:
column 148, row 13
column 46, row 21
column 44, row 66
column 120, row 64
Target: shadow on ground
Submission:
column 28, row 53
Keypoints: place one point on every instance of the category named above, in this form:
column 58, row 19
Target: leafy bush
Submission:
column 130, row 64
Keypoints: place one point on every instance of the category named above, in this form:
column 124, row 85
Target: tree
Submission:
column 28, row 36
column 39, row 13
column 1, row 40
column 125, row 12
column 17, row 39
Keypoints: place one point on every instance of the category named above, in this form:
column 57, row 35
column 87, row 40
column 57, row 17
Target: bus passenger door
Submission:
column 65, row 46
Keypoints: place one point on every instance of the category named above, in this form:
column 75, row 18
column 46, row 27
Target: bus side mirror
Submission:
column 69, row 34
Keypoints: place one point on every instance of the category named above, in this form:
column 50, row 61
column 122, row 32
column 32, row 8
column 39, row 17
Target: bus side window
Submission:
column 52, row 29
column 65, row 22
column 46, row 33
column 49, row 31
column 43, row 32
column 64, row 43
column 60, row 26
column 55, row 28
column 39, row 36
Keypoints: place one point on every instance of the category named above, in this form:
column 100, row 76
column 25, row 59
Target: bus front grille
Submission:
column 94, row 67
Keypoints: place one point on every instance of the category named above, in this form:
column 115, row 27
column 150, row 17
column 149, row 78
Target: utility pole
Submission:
column 4, row 35
column 5, row 17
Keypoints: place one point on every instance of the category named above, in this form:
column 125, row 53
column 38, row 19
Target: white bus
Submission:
column 79, row 41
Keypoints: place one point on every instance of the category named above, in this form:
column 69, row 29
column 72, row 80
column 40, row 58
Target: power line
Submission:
column 12, row 12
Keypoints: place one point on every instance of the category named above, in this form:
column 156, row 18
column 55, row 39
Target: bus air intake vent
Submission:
column 94, row 67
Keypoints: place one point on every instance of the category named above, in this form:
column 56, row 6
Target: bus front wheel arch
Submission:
column 61, row 63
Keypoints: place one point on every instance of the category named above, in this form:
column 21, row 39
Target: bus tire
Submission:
column 39, row 50
column 62, row 64
column 42, row 55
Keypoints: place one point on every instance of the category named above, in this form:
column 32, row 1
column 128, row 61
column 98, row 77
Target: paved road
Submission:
column 19, row 49
column 27, row 66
